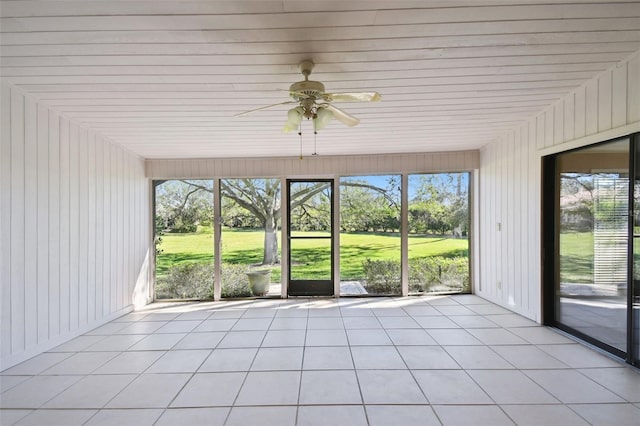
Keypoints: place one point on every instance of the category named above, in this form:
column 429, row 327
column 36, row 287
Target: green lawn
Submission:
column 245, row 247
column 576, row 257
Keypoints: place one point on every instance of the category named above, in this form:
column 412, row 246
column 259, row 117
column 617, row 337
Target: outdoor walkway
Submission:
column 455, row 360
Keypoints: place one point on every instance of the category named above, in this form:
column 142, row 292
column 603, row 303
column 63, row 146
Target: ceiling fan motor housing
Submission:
column 308, row 88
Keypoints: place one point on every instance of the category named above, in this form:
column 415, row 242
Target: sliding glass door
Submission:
column 595, row 237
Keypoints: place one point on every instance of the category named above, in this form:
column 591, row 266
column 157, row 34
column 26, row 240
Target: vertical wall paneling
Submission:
column 53, row 251
column 42, row 245
column 568, row 117
column 549, row 128
column 5, row 219
column 580, row 113
column 591, row 107
column 510, row 232
column 558, row 122
column 540, row 131
column 64, row 226
column 83, row 227
column 107, row 217
column 91, row 228
column 99, row 227
column 30, row 223
column 605, row 89
column 74, row 226
column 17, row 246
column 516, row 218
column 114, row 234
column 68, row 233
column 633, row 90
column 619, row 96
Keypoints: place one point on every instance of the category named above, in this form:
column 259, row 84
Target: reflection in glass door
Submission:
column 592, row 237
column 310, row 236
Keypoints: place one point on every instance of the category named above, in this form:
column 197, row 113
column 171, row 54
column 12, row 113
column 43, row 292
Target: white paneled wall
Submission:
column 510, row 172
column 314, row 166
column 74, row 228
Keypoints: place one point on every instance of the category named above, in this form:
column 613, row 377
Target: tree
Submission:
column 261, row 198
column 181, row 207
column 440, row 204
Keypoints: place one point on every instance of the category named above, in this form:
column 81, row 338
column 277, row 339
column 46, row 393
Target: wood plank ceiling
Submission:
column 164, row 78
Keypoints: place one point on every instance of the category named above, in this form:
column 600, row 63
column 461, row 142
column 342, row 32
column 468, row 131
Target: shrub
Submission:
column 234, row 281
column 382, row 276
column 186, row 281
column 195, row 281
column 439, row 274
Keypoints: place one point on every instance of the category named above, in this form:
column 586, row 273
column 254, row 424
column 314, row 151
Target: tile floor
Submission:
column 456, row 360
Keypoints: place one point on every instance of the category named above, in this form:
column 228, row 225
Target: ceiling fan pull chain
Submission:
column 315, row 136
column 300, row 134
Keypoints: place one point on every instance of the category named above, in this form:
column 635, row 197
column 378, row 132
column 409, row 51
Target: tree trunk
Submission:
column 270, row 256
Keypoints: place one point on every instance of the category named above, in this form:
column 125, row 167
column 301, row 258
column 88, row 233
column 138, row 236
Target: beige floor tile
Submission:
column 329, row 387
column 623, row 381
column 81, row 363
column 427, row 358
column 326, row 338
column 284, row 338
column 368, row 337
column 511, row 387
column 377, row 358
column 264, row 416
column 209, row 416
column 405, row 415
column 271, row 359
column 34, row 392
column 210, row 390
column 469, row 415
column 229, row 360
column 570, row 386
column 450, row 387
column 91, row 391
column 609, row 414
column 150, row 391
column 204, row 340
column 389, row 387
column 132, row 362
column 56, row 418
column 180, row 361
column 547, row 415
column 335, row 415
column 270, row 388
column 327, row 358
column 118, row 417
column 477, row 357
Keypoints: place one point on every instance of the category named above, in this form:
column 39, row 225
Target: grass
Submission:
column 308, row 256
column 576, row 257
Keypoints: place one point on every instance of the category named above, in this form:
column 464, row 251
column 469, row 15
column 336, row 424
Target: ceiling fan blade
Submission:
column 342, row 116
column 352, row 97
column 264, row 107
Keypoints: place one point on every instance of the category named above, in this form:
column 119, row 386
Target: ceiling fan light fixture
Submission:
column 294, row 118
column 323, row 117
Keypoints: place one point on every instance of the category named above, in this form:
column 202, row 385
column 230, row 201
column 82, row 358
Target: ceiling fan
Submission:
column 316, row 104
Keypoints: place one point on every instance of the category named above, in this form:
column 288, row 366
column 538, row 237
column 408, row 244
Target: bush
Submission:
column 382, row 276
column 195, row 281
column 234, row 280
column 186, row 281
column 436, row 274
column 439, row 274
